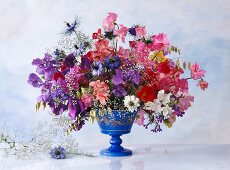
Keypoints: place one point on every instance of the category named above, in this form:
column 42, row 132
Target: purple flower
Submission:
column 69, row 60
column 58, row 153
column 132, row 76
column 132, row 31
column 85, row 63
column 45, row 66
column 97, row 68
column 75, row 108
column 118, row 77
column 112, row 62
column 57, row 109
column 119, row 91
column 34, row 80
column 178, row 112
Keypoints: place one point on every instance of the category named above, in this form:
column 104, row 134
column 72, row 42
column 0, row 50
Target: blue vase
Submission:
column 115, row 124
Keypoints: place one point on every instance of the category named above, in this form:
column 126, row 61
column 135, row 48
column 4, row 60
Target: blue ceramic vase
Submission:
column 115, row 124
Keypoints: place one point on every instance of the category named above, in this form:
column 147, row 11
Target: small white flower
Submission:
column 166, row 110
column 154, row 106
column 132, row 103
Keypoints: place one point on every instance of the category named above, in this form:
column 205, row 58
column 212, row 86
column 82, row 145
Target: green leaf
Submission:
column 189, row 65
column 38, row 106
column 184, row 65
column 44, row 105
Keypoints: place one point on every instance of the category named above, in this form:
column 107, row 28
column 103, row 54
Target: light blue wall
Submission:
column 200, row 28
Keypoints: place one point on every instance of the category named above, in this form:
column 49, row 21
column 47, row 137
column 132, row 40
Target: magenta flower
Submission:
column 183, row 85
column 196, row 72
column 140, row 31
column 160, row 42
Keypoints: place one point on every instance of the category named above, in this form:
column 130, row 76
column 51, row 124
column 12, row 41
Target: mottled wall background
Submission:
column 201, row 28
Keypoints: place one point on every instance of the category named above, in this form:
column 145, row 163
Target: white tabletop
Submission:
column 148, row 157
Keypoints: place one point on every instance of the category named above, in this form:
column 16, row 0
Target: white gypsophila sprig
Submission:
column 131, row 103
column 45, row 135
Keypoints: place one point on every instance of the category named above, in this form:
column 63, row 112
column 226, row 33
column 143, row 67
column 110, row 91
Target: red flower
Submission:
column 146, row 93
column 58, row 75
column 150, row 77
column 97, row 34
column 164, row 67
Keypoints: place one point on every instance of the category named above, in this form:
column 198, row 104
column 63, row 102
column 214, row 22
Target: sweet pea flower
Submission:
column 202, row 84
column 121, row 33
column 101, row 91
column 123, row 53
column 154, row 106
column 196, row 72
column 185, row 102
column 163, row 97
column 34, row 80
column 140, row 31
column 87, row 99
column 75, row 108
column 108, row 22
column 160, row 42
column 141, row 117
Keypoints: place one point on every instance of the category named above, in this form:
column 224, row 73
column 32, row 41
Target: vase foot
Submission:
column 123, row 152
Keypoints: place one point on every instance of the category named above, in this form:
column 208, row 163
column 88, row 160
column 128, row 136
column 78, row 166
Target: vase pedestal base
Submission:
column 108, row 152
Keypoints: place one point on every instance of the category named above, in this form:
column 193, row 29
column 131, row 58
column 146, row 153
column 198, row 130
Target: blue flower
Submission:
column 132, row 31
column 97, row 68
column 71, row 27
column 112, row 62
column 58, row 153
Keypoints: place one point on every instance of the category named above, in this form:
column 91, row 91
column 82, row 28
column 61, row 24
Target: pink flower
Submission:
column 140, row 31
column 183, row 85
column 160, row 42
column 123, row 53
column 202, row 84
column 73, row 78
column 185, row 102
column 108, row 22
column 102, row 50
column 196, row 72
column 121, row 33
column 101, row 91
column 112, row 16
column 87, row 99
column 141, row 118
column 141, row 49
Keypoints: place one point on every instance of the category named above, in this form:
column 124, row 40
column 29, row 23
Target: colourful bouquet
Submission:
column 102, row 74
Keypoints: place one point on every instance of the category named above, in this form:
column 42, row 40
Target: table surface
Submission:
column 148, row 157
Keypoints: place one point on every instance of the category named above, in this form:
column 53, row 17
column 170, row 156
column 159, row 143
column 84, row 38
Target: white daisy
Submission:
column 132, row 103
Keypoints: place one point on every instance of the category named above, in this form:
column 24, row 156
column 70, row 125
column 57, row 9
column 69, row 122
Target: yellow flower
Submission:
column 158, row 57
